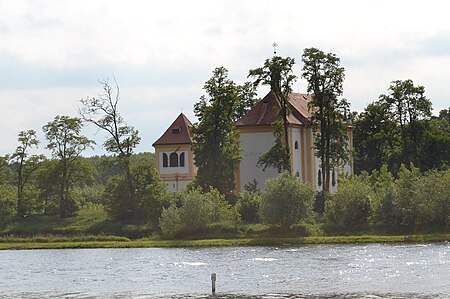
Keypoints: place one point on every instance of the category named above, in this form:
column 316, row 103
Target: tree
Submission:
column 285, row 201
column 216, row 142
column 66, row 144
column 25, row 166
column 149, row 192
column 325, row 79
column 376, row 139
column 277, row 73
column 102, row 111
column 434, row 151
column 408, row 105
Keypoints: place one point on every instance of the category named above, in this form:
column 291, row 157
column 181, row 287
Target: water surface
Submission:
column 313, row 271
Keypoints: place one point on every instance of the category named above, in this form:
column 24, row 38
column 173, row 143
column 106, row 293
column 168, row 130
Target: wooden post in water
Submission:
column 213, row 283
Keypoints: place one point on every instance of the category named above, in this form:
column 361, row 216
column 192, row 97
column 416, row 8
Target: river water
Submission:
column 313, row 271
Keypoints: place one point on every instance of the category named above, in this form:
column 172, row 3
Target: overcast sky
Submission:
column 52, row 53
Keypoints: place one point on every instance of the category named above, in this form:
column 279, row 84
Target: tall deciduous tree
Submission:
column 66, row 144
column 216, row 142
column 408, row 105
column 376, row 139
column 102, row 111
column 277, row 73
column 24, row 165
column 325, row 78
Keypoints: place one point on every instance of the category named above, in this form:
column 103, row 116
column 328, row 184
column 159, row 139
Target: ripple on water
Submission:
column 134, row 295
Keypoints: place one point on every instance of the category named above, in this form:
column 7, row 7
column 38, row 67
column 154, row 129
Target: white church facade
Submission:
column 256, row 138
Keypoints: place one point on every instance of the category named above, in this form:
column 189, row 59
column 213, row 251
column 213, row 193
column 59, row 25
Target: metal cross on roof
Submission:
column 274, row 45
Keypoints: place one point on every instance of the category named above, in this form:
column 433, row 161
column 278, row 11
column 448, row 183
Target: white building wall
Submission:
column 254, row 145
column 296, row 152
column 176, row 186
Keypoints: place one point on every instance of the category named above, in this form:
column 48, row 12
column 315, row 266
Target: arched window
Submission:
column 319, row 178
column 173, row 160
column 182, row 160
column 296, row 145
column 165, row 160
column 333, row 178
column 297, row 174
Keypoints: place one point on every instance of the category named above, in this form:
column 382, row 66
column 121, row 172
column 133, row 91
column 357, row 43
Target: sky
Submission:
column 54, row 52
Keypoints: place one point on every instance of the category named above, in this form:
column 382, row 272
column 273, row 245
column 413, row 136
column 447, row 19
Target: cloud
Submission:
column 53, row 52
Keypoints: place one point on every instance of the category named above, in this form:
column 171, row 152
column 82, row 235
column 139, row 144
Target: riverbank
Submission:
column 121, row 242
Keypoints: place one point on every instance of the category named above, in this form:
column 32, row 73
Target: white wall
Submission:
column 254, row 145
column 296, row 153
column 174, row 186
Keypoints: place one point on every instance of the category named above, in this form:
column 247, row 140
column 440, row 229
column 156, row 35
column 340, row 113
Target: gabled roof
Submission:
column 265, row 112
column 177, row 133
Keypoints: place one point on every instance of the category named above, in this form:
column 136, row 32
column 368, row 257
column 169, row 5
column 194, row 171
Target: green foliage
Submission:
column 216, row 142
column 325, row 81
column 102, row 111
column 277, row 73
column 434, row 151
column 434, row 196
column 350, row 206
column 91, row 193
column 406, row 203
column 277, row 157
column 7, row 206
column 149, row 191
column 24, row 165
column 408, row 105
column 376, row 139
column 192, row 211
column 66, row 144
column 285, row 201
column 399, row 129
column 248, row 206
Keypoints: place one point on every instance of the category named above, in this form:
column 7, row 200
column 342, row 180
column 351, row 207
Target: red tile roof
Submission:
column 177, row 133
column 265, row 112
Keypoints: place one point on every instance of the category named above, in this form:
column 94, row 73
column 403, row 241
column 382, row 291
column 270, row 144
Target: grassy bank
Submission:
column 51, row 242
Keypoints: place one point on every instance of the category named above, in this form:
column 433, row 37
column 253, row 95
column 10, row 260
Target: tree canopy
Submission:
column 216, row 142
column 277, row 73
column 325, row 79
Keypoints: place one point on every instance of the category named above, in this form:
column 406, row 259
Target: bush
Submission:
column 434, row 198
column 285, row 201
column 192, row 211
column 406, row 204
column 248, row 206
column 350, row 206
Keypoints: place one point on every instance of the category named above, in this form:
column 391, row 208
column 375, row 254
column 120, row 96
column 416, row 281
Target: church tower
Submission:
column 174, row 156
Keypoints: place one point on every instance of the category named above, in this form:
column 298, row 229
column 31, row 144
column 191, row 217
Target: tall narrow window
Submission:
column 173, row 160
column 319, row 178
column 165, row 160
column 333, row 178
column 182, row 160
column 296, row 145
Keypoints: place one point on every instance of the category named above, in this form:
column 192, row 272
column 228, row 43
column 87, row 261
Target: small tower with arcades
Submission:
column 174, row 156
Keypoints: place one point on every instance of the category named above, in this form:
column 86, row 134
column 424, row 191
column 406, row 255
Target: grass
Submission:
column 92, row 229
column 116, row 242
column 90, row 220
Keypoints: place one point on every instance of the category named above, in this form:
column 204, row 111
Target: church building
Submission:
column 256, row 138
